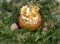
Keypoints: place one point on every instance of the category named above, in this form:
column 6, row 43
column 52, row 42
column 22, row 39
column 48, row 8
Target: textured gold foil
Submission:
column 30, row 17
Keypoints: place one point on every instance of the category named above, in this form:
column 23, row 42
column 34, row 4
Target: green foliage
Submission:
column 9, row 12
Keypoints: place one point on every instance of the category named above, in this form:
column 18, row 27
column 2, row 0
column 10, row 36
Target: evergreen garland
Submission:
column 50, row 12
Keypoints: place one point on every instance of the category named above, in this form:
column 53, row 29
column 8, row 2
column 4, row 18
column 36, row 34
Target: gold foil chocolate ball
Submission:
column 30, row 17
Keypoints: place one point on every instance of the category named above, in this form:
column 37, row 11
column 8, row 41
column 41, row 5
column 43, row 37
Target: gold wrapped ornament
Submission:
column 29, row 17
